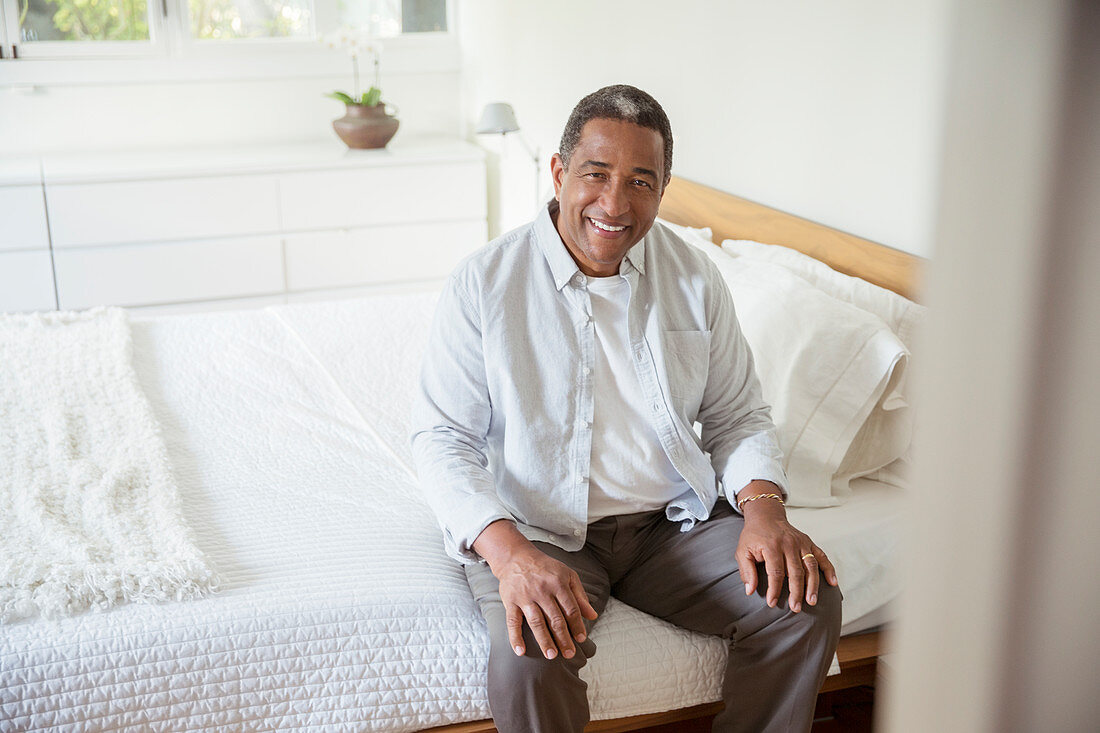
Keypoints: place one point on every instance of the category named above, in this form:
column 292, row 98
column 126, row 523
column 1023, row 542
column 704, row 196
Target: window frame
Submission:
column 5, row 48
column 159, row 31
column 171, row 55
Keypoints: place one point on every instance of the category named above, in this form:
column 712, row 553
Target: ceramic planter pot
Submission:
column 366, row 127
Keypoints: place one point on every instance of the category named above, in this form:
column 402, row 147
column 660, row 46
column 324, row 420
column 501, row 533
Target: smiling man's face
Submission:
column 610, row 192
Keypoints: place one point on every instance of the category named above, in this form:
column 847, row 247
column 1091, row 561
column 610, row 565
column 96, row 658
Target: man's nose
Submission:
column 613, row 199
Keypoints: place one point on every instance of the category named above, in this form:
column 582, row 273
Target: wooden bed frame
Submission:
column 731, row 217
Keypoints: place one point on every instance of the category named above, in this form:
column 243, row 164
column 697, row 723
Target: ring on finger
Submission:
column 809, row 555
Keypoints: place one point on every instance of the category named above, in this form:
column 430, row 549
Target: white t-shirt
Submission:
column 630, row 471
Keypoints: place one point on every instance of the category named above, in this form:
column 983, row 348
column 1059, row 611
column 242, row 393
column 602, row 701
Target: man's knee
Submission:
column 532, row 693
column 819, row 623
column 532, row 670
column 824, row 616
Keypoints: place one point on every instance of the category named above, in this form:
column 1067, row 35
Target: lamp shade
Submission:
column 497, row 117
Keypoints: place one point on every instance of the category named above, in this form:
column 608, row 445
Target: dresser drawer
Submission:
column 23, row 219
column 165, row 273
column 379, row 254
column 383, row 195
column 26, row 281
column 161, row 210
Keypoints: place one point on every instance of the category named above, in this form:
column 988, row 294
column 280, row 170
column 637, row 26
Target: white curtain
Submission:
column 997, row 629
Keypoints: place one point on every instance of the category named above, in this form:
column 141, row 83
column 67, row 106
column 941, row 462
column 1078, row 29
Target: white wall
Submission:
column 826, row 109
column 53, row 118
column 219, row 96
column 829, row 110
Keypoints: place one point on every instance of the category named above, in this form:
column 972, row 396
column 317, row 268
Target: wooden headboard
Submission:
column 731, row 217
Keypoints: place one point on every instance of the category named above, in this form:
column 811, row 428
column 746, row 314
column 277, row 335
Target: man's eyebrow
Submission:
column 637, row 169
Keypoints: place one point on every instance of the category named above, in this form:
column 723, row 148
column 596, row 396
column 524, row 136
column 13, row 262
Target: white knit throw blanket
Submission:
column 89, row 513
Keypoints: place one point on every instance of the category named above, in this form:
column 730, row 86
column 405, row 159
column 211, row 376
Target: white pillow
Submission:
column 823, row 363
column 902, row 315
column 703, row 238
column 882, row 447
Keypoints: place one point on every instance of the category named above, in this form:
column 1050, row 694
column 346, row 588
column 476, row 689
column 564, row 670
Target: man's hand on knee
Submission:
column 548, row 595
column 786, row 553
column 535, row 588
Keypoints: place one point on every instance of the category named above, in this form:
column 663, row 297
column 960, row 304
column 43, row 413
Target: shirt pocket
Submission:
column 687, row 363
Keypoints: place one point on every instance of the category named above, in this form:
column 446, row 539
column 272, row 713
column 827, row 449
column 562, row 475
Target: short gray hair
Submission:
column 617, row 102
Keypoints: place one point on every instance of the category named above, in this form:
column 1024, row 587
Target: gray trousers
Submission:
column 777, row 662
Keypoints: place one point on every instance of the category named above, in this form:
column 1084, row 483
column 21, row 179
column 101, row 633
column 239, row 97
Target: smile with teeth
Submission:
column 606, row 227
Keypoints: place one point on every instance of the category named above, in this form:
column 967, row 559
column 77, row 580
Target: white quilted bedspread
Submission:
column 286, row 429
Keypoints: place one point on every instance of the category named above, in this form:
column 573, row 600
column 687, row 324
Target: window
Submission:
column 234, row 19
column 181, row 28
column 81, row 20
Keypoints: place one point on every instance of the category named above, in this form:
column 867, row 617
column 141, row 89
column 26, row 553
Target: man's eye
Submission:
column 640, row 182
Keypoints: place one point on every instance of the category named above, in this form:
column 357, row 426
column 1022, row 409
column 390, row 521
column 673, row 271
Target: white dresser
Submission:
column 26, row 270
column 236, row 225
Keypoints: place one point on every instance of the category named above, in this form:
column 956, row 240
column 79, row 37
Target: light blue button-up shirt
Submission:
column 502, row 425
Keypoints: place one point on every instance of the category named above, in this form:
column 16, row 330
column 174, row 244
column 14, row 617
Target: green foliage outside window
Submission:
column 128, row 20
column 226, row 19
column 85, row 20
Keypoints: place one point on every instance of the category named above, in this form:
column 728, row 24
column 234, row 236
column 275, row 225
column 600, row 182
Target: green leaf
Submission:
column 341, row 97
column 372, row 96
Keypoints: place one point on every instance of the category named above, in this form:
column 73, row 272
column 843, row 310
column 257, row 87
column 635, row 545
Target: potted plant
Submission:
column 366, row 122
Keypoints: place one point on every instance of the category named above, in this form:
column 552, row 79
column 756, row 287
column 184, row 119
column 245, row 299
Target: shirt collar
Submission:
column 562, row 265
column 635, row 256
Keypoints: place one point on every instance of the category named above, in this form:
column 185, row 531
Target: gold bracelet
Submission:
column 747, row 499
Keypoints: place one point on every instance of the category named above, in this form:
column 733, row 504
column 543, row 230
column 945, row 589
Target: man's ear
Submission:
column 557, row 172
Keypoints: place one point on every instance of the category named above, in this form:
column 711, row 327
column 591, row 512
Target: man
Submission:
column 553, row 434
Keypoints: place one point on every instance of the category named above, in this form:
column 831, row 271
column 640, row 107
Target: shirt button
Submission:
column 656, row 406
column 577, row 533
column 586, row 371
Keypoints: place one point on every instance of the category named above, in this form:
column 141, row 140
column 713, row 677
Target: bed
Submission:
column 337, row 608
